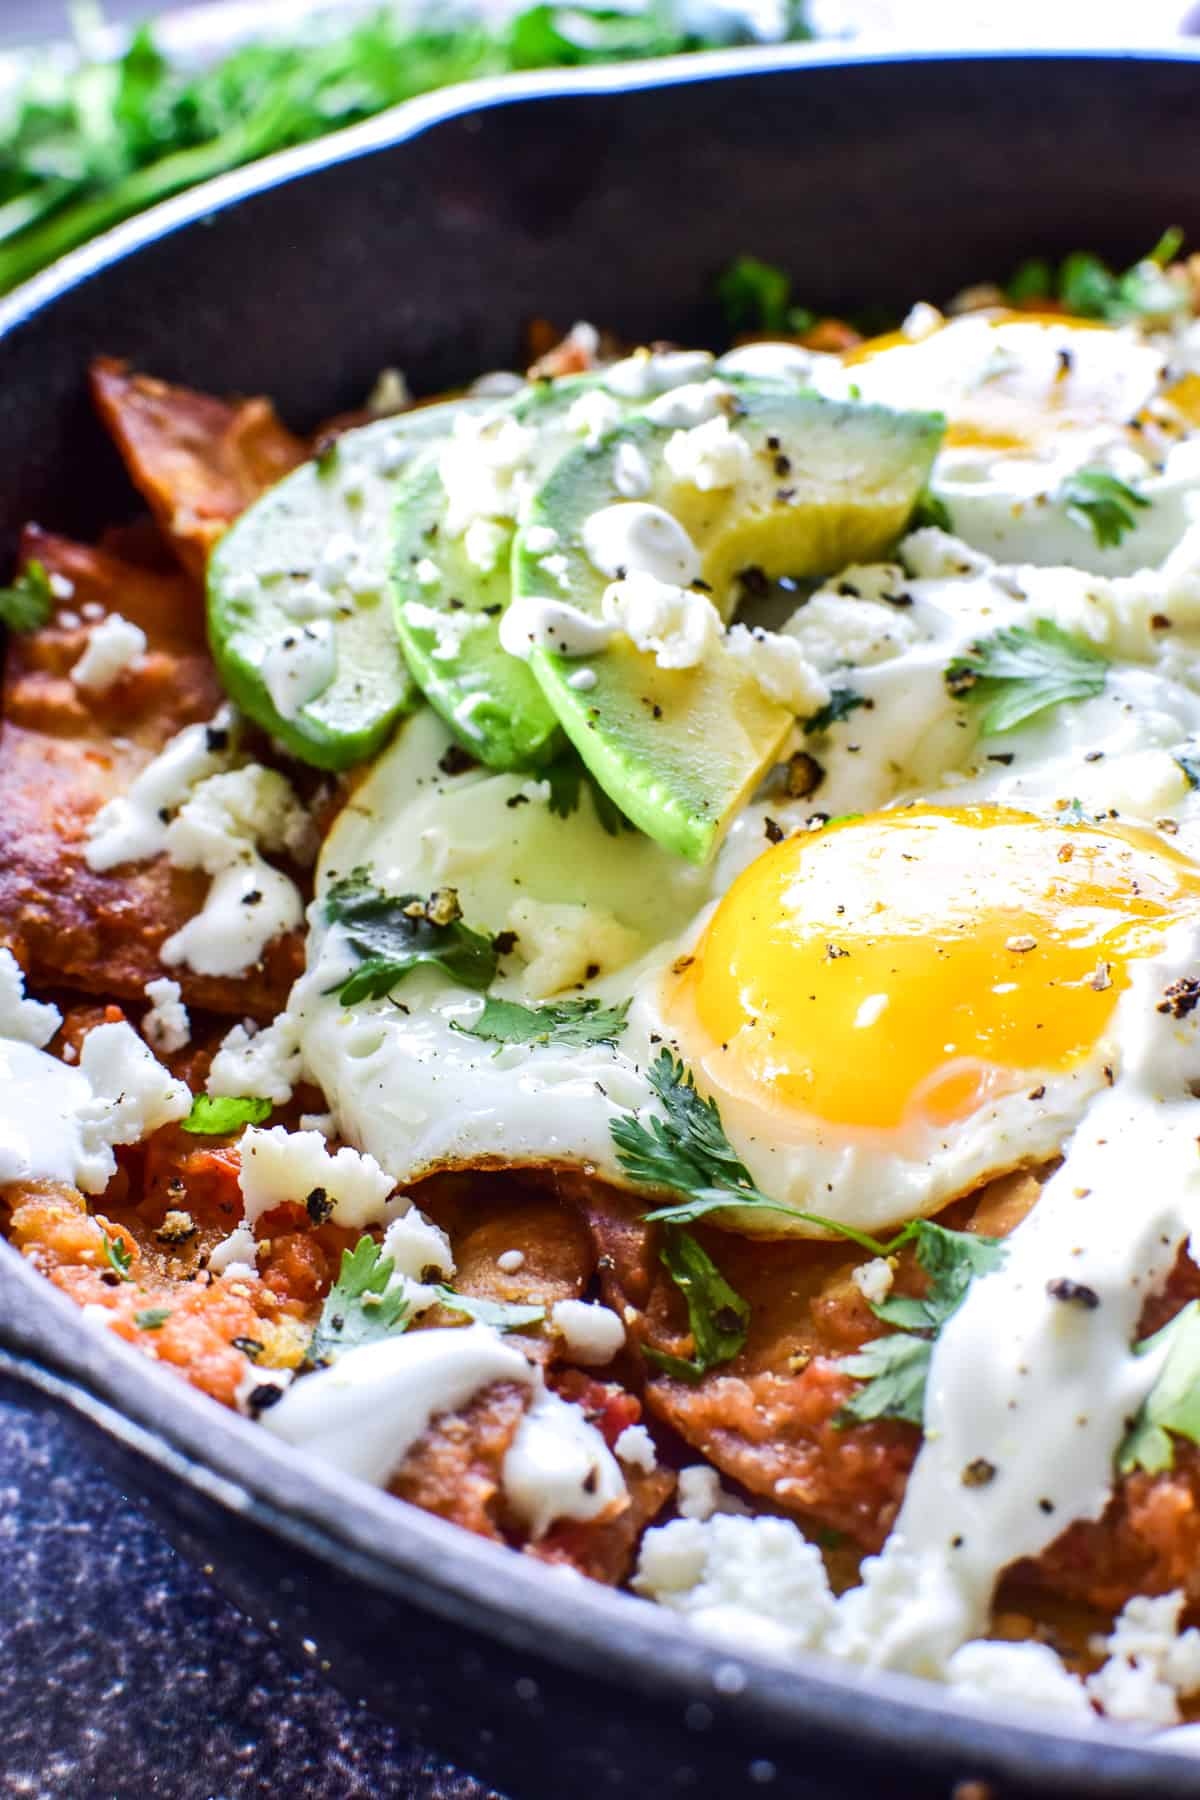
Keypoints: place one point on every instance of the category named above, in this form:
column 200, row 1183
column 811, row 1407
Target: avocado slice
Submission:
column 451, row 582
column 298, row 614
column 814, row 484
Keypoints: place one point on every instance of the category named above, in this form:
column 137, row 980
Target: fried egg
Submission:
column 1031, row 400
column 888, row 1008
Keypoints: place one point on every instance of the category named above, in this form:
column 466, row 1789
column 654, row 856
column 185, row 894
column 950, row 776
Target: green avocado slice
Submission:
column 298, row 613
column 451, row 580
column 821, row 484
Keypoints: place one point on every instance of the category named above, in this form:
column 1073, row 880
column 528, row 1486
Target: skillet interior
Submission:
column 426, row 241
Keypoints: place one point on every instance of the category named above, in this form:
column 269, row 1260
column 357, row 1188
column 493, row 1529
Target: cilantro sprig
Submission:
column 117, row 1255
column 396, row 933
column 357, row 1308
column 1172, row 1407
column 1022, row 670
column 26, row 605
column 688, row 1152
column 567, row 776
column 572, row 1023
column 504, row 1315
column 841, row 703
column 1101, row 502
column 717, row 1314
column 757, row 296
column 215, row 1115
column 893, row 1369
column 1089, row 289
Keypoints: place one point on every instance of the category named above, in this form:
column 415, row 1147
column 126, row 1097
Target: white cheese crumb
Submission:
column 873, row 1279
column 583, row 680
column 132, row 1096
column 754, row 1581
column 61, row 586
column 932, row 554
column 166, row 1027
column 451, row 629
column 635, row 1448
column 630, row 471
column 235, row 1253
column 700, row 1494
column 262, row 1065
column 483, row 541
column 709, row 456
column 484, row 467
column 676, row 625
column 497, row 384
column 1019, row 1674
column 560, row 943
column 423, row 1257
column 780, row 667
column 1151, row 1663
column 112, row 647
column 647, row 372
column 427, row 572
column 557, row 567
column 324, row 1122
column 280, row 1165
column 28, row 1021
column 133, row 825
column 691, row 405
column 922, row 321
column 592, row 1333
column 509, row 1261
column 835, row 629
column 593, row 414
column 540, row 538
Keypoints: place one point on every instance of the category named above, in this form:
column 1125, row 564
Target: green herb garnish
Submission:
column 357, row 1311
column 570, row 1022
column 215, row 1115
column 756, row 296
column 395, row 934
column 152, row 1319
column 567, row 777
column 1021, row 670
column 28, row 603
column 1173, row 1404
column 88, row 146
column 505, row 1315
column 841, row 703
column 1098, row 500
column 1089, row 289
column 930, row 509
column 717, row 1314
column 118, row 1257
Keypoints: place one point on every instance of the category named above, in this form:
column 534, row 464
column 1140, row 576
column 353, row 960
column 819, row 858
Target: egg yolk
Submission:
column 904, row 967
column 1048, row 374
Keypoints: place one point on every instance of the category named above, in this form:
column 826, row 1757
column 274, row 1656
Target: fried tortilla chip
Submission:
column 198, row 461
column 65, row 750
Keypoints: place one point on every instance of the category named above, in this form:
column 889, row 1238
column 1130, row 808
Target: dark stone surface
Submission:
column 123, row 1672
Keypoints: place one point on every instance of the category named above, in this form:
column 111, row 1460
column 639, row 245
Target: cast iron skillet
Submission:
column 425, row 239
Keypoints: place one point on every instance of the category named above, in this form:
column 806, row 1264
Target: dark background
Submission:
column 124, row 1674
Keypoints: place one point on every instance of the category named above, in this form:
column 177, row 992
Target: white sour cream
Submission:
column 300, row 666
column 634, row 537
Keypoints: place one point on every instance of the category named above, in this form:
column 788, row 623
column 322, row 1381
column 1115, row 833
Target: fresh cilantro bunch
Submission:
column 81, row 152
column 396, row 933
column 1021, row 670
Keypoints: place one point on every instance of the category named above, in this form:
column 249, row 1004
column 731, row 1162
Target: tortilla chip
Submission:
column 198, row 461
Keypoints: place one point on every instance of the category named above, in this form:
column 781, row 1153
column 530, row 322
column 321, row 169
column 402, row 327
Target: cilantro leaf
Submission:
column 717, row 1314
column 214, row 1115
column 893, row 1370
column 566, row 777
column 1020, row 671
column 152, row 1319
column 1096, row 498
column 357, row 1310
column 118, row 1257
column 754, row 295
column 28, row 603
column 505, row 1315
column 841, row 703
column 1088, row 288
column 394, row 934
column 1173, row 1403
column 570, row 1022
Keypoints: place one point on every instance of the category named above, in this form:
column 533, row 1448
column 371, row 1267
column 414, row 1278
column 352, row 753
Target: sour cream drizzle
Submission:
column 1034, row 1379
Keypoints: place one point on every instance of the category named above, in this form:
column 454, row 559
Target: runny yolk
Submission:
column 906, row 966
